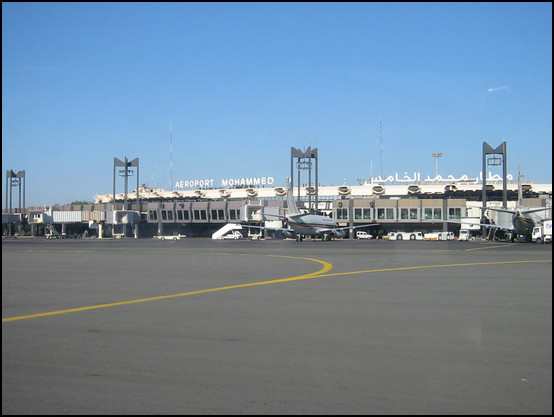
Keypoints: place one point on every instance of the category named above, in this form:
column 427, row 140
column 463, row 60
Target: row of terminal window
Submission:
column 411, row 213
column 431, row 213
column 186, row 215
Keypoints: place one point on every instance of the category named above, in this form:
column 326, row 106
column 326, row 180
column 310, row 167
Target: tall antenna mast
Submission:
column 381, row 146
column 370, row 169
column 171, row 155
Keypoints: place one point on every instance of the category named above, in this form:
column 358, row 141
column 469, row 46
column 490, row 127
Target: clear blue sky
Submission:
column 240, row 83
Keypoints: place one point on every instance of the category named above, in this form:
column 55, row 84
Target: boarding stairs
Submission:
column 50, row 230
column 226, row 229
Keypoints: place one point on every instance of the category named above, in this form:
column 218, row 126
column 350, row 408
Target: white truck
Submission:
column 439, row 236
column 169, row 237
column 464, row 235
column 542, row 233
column 405, row 236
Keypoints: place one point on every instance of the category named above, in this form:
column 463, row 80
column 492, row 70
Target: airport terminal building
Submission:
column 394, row 204
column 200, row 207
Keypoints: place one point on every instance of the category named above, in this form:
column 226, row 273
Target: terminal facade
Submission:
column 392, row 204
column 201, row 212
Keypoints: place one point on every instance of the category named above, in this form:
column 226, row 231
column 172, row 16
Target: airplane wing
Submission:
column 290, row 216
column 494, row 226
column 282, row 229
column 357, row 227
column 489, row 225
column 319, row 232
column 535, row 210
column 325, row 231
column 499, row 209
column 515, row 211
column 280, row 216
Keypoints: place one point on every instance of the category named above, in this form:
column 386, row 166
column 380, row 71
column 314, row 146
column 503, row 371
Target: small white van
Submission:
column 464, row 235
column 363, row 235
column 235, row 234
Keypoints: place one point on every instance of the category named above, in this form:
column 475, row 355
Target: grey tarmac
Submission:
column 197, row 326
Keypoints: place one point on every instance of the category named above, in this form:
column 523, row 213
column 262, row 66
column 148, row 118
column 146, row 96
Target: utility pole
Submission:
column 381, row 146
column 436, row 155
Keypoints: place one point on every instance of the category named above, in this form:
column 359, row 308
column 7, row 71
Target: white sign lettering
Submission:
column 227, row 182
column 194, row 183
column 439, row 178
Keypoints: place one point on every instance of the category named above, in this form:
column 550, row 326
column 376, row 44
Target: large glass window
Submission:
column 342, row 214
column 432, row 213
column 362, row 213
column 385, row 213
column 404, row 213
column 454, row 213
column 218, row 215
column 408, row 213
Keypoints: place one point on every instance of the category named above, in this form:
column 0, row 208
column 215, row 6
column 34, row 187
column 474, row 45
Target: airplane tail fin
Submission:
column 293, row 209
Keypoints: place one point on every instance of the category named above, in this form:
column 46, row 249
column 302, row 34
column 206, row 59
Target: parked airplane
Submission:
column 523, row 221
column 306, row 224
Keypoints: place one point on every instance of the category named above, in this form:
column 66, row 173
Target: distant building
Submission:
column 404, row 206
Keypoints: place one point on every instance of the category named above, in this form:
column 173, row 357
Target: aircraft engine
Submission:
column 339, row 233
column 291, row 234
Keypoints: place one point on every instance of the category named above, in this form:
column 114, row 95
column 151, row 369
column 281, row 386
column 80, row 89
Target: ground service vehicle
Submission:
column 363, row 235
column 235, row 234
column 405, row 236
column 59, row 236
column 464, row 234
column 439, row 236
column 169, row 237
column 542, row 233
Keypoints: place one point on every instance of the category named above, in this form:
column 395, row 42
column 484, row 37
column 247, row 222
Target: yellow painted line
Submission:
column 326, row 267
column 405, row 268
column 472, row 249
column 491, row 247
column 319, row 274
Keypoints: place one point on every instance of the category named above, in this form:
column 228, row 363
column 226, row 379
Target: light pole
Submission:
column 436, row 155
